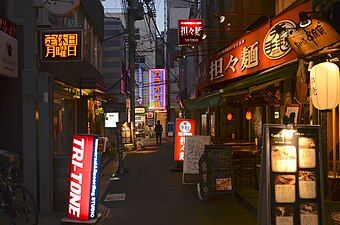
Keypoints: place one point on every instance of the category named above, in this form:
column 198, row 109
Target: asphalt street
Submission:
column 156, row 196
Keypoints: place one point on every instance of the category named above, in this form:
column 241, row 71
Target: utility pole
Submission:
column 132, row 5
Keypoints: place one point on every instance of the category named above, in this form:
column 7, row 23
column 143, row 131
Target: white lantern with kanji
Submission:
column 325, row 85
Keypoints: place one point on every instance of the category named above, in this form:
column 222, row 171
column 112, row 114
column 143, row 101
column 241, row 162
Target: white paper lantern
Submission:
column 325, row 85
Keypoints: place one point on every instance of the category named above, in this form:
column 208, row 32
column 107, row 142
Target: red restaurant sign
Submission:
column 184, row 127
column 190, row 32
column 255, row 51
column 84, row 170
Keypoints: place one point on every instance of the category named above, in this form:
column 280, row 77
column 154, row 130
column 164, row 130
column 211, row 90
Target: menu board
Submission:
column 194, row 148
column 291, row 191
column 215, row 171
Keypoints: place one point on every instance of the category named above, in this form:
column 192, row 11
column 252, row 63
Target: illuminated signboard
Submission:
column 111, row 119
column 84, row 171
column 61, row 45
column 190, row 31
column 157, row 89
column 184, row 127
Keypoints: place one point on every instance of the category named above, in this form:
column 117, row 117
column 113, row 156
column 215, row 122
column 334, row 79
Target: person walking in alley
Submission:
column 159, row 130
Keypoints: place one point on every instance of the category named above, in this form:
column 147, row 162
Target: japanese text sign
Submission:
column 157, row 89
column 184, row 127
column 313, row 37
column 60, row 7
column 190, row 31
column 84, row 171
column 61, row 45
column 255, row 51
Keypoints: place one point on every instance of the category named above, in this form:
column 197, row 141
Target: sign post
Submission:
column 84, row 177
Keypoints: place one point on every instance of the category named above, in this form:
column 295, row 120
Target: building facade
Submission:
column 51, row 100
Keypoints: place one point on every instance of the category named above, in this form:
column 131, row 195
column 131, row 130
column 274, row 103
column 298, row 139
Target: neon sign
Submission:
column 157, row 89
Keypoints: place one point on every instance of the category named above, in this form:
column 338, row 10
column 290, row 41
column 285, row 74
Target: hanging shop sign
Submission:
column 190, row 32
column 84, row 171
column 61, row 45
column 291, row 182
column 325, row 85
column 8, row 49
column 184, row 128
column 314, row 37
column 253, row 52
column 157, row 89
column 61, row 7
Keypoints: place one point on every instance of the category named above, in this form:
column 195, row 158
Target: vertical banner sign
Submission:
column 184, row 127
column 157, row 89
column 190, row 32
column 84, row 171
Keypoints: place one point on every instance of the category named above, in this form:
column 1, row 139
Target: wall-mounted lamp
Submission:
column 304, row 19
column 220, row 17
column 283, row 31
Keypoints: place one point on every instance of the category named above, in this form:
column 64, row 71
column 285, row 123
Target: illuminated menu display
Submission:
column 61, row 45
column 291, row 176
column 157, row 89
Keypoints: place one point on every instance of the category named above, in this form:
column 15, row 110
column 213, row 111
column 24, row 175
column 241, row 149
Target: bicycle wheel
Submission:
column 23, row 209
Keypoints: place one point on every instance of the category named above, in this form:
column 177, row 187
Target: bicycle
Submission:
column 15, row 199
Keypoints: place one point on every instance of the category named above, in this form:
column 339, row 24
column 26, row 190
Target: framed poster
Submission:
column 291, row 182
column 293, row 109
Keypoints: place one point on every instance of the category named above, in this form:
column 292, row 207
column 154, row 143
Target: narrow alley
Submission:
column 156, row 196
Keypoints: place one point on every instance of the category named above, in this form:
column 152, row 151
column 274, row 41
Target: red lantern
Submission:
column 249, row 115
column 229, row 116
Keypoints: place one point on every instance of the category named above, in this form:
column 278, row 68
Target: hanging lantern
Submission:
column 249, row 115
column 229, row 116
column 325, row 85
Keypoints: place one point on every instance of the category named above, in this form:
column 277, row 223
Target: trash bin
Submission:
column 336, row 218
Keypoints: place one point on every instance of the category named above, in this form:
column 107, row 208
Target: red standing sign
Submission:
column 184, row 127
column 84, row 170
column 190, row 32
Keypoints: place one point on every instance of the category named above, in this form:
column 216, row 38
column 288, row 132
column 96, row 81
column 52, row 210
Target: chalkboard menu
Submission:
column 215, row 171
column 291, row 191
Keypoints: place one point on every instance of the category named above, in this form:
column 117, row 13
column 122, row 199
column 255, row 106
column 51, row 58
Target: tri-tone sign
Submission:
column 84, row 171
column 184, row 127
column 61, row 45
column 190, row 32
column 157, row 89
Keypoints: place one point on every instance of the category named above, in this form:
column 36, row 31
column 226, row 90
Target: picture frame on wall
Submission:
column 293, row 108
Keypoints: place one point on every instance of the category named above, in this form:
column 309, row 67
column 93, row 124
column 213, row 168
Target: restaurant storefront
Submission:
column 254, row 75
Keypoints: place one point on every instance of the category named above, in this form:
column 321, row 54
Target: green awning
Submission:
column 250, row 83
column 203, row 102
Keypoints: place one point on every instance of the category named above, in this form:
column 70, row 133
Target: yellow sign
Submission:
column 65, row 45
column 139, row 110
column 312, row 38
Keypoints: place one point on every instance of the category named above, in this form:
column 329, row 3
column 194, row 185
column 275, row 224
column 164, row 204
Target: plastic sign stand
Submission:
column 291, row 182
column 84, row 177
